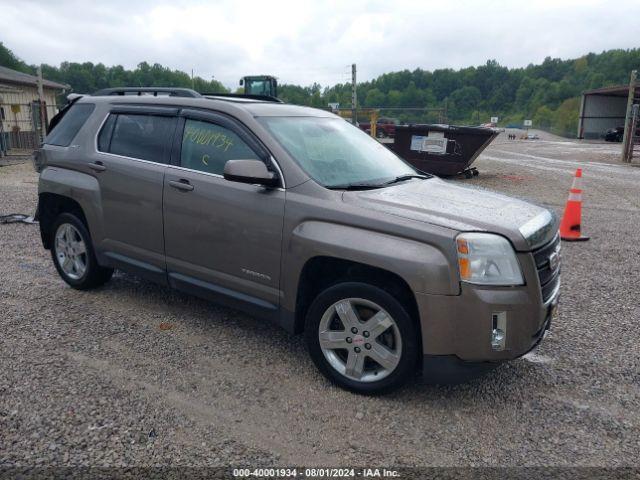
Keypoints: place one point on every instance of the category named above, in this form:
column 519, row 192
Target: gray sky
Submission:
column 313, row 41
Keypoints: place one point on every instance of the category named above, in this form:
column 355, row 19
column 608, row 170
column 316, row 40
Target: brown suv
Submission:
column 296, row 216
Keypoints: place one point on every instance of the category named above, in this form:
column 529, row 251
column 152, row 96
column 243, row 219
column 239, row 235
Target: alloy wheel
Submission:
column 71, row 251
column 360, row 340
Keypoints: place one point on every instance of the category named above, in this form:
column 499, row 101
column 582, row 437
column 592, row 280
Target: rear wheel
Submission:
column 361, row 338
column 73, row 255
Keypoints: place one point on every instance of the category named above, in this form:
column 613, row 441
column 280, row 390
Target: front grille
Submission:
column 549, row 278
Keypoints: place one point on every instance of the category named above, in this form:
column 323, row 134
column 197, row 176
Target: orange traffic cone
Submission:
column 570, row 224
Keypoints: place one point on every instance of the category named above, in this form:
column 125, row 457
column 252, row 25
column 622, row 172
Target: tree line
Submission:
column 88, row 77
column 548, row 93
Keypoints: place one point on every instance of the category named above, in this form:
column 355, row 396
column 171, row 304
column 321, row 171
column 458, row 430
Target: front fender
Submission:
column 424, row 267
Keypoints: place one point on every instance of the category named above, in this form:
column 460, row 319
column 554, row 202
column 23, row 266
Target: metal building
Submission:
column 20, row 108
column 602, row 109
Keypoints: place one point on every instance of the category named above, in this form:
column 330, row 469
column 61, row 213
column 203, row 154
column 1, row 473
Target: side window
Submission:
column 104, row 138
column 63, row 133
column 146, row 137
column 207, row 147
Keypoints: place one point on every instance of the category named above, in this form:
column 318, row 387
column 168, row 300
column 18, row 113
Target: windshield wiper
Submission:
column 370, row 186
column 402, row 178
column 355, row 186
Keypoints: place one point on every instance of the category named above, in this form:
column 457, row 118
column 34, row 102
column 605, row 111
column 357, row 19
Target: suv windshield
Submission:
column 335, row 153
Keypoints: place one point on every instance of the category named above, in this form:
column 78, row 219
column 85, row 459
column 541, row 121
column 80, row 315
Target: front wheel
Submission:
column 73, row 254
column 362, row 338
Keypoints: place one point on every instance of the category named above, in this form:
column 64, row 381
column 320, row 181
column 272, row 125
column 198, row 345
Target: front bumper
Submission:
column 451, row 370
column 461, row 326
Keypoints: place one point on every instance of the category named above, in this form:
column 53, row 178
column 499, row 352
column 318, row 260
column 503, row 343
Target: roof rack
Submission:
column 264, row 98
column 155, row 91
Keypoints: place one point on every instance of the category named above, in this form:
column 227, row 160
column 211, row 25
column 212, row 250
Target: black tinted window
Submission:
column 207, row 147
column 147, row 137
column 69, row 125
column 104, row 139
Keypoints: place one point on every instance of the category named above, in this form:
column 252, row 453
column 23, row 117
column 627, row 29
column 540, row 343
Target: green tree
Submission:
column 374, row 98
column 566, row 120
column 9, row 60
column 464, row 102
column 548, row 92
column 544, row 117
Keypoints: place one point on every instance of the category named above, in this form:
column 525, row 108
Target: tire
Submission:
column 394, row 339
column 73, row 254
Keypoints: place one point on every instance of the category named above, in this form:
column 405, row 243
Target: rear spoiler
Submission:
column 71, row 99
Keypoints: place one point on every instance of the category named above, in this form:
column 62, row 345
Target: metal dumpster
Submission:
column 443, row 150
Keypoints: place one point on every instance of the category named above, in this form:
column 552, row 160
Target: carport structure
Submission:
column 611, row 107
column 602, row 109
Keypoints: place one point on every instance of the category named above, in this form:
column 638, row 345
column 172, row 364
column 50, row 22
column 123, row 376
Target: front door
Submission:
column 223, row 239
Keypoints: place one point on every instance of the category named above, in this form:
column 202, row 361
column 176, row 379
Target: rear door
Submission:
column 133, row 150
column 223, row 239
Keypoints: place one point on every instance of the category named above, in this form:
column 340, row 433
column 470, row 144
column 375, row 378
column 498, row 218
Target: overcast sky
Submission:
column 313, row 41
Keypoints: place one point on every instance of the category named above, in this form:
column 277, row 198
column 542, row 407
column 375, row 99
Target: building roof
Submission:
column 615, row 91
column 13, row 76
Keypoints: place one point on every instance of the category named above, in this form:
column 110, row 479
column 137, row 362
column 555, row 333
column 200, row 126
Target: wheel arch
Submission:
column 50, row 206
column 65, row 190
column 322, row 272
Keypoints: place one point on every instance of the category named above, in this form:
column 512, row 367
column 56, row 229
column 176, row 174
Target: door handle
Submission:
column 97, row 166
column 182, row 184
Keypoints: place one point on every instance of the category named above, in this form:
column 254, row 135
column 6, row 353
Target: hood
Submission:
column 445, row 204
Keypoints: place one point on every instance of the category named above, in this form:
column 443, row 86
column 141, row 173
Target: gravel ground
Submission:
column 91, row 378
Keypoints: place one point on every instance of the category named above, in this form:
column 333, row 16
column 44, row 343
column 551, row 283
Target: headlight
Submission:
column 487, row 259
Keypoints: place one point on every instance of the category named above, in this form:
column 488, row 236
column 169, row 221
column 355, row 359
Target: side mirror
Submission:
column 241, row 81
column 250, row 171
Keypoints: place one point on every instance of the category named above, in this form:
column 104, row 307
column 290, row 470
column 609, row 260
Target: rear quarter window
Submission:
column 104, row 139
column 70, row 124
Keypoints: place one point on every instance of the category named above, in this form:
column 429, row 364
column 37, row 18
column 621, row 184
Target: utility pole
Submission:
column 628, row 133
column 445, row 119
column 354, row 96
column 193, row 85
column 634, row 127
column 42, row 104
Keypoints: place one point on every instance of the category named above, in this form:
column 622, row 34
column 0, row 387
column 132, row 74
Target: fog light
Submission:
column 497, row 339
column 498, row 330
